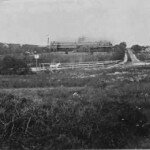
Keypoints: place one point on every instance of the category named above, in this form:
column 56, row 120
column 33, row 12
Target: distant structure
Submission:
column 48, row 42
column 83, row 44
column 82, row 39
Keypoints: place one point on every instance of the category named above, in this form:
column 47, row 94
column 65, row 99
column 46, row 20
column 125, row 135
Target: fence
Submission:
column 61, row 66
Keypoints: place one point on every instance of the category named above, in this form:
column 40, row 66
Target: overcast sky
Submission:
column 30, row 21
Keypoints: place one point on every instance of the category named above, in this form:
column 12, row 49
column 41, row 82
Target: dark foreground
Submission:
column 109, row 110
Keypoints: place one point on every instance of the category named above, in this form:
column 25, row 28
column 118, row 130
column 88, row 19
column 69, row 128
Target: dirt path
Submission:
column 132, row 56
column 134, row 61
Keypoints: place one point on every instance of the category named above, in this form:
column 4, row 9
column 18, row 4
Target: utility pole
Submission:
column 48, row 42
column 36, row 56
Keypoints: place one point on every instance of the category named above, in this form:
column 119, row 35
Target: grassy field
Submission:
column 76, row 109
column 77, row 78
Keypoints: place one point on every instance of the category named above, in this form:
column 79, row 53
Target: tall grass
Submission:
column 69, row 124
column 108, row 110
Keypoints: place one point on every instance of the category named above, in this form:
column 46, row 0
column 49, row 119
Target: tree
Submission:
column 136, row 48
column 119, row 50
column 11, row 65
column 123, row 45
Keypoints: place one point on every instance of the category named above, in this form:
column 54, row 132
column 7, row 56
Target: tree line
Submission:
column 18, row 48
column 10, row 66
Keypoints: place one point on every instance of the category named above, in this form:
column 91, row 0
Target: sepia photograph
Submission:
column 74, row 74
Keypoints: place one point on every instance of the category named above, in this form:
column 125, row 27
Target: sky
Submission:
column 31, row 21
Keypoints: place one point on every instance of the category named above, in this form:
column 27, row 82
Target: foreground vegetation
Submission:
column 72, row 121
column 76, row 109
